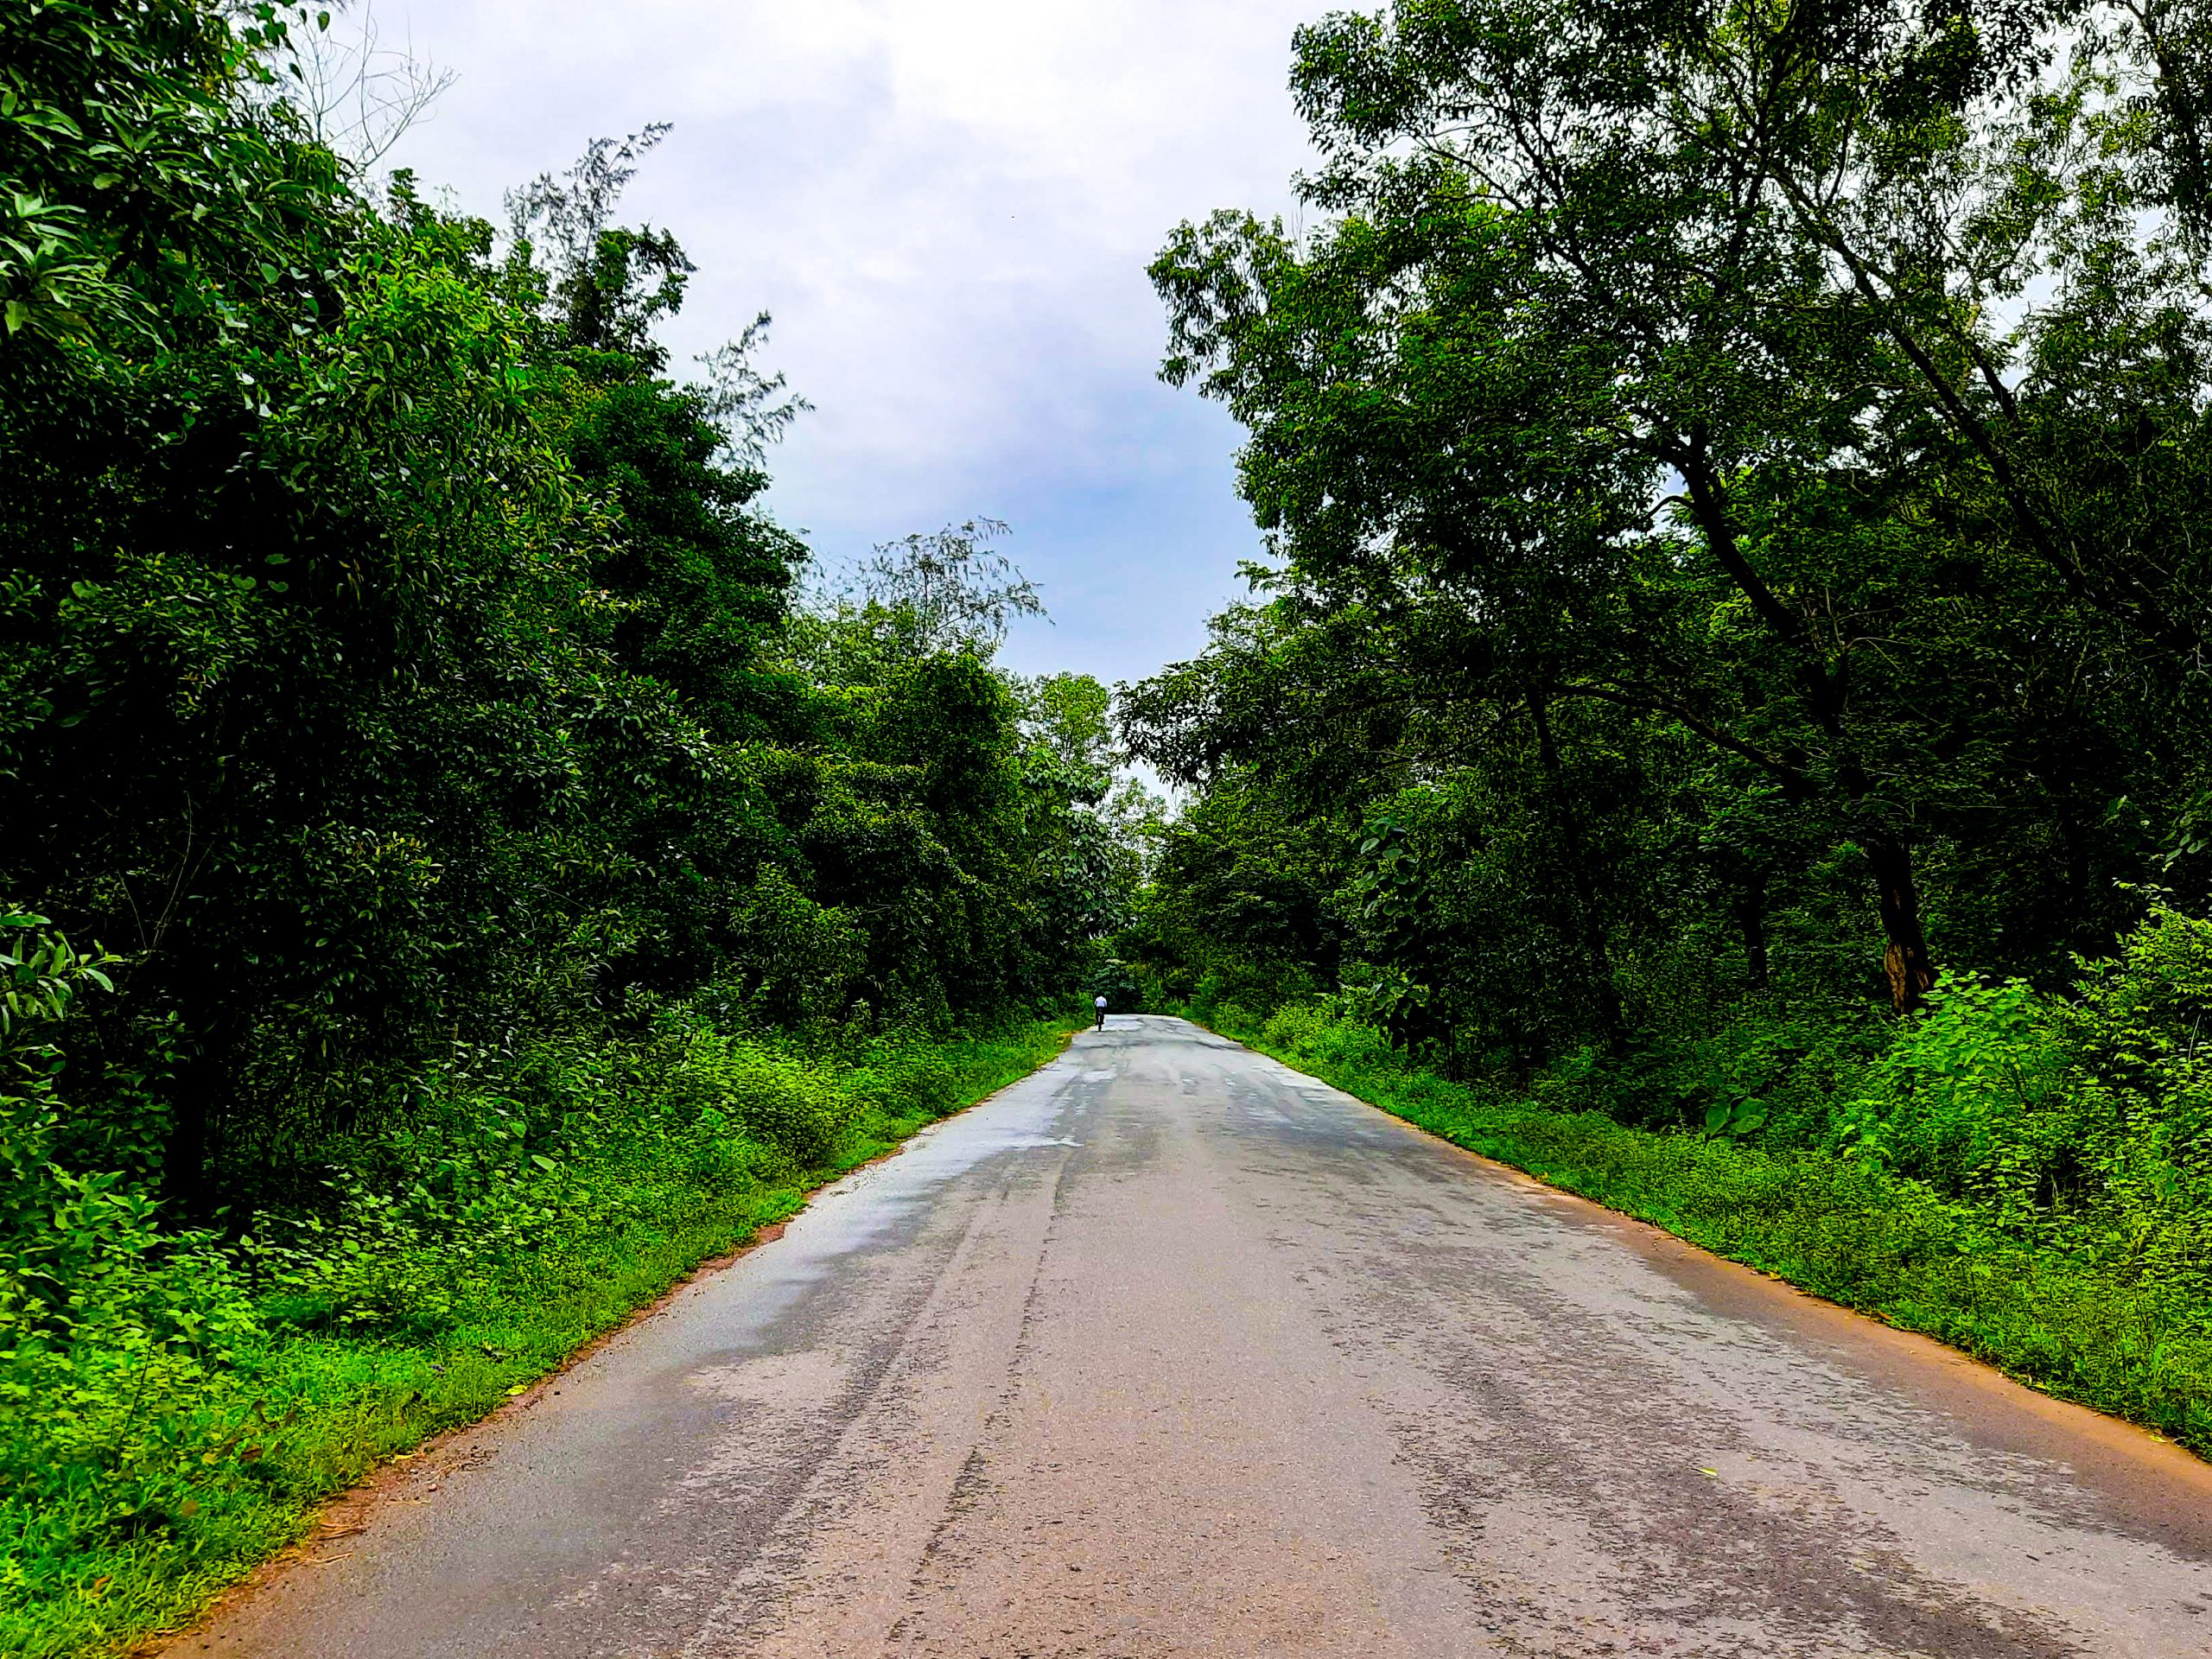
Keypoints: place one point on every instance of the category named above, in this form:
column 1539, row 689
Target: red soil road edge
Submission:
column 1861, row 1335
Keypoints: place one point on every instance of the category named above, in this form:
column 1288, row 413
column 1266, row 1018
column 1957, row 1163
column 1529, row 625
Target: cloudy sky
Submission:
column 948, row 205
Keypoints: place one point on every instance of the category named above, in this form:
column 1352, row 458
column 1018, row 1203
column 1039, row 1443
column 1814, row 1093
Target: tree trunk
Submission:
column 1825, row 688
column 206, row 1001
column 1750, row 916
column 1586, row 893
column 186, row 1196
column 1906, row 960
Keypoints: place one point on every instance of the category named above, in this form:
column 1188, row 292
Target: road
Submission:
column 1170, row 1351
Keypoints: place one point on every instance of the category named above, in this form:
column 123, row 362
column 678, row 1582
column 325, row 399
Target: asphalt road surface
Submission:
column 1170, row 1351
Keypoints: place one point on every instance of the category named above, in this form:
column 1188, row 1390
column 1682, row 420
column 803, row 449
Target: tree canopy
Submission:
column 1731, row 470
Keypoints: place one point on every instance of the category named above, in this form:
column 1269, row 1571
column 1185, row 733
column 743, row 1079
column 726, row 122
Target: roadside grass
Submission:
column 116, row 1524
column 2048, row 1311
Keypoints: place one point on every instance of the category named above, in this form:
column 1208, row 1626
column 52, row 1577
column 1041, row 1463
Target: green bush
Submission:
column 1982, row 1097
column 780, row 1100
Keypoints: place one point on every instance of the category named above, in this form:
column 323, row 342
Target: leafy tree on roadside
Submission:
column 1575, row 381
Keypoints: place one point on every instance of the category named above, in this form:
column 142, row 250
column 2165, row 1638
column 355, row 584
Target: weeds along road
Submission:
column 1171, row 1351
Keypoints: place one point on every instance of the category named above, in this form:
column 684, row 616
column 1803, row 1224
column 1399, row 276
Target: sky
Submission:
column 947, row 207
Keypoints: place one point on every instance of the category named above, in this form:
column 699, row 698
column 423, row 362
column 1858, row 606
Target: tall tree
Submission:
column 1572, row 355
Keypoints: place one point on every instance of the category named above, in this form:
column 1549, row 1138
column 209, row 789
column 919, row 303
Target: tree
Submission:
column 1572, row 360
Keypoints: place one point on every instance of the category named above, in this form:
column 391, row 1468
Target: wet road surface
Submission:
column 1171, row 1351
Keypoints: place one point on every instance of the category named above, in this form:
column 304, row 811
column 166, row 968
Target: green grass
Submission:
column 2045, row 1312
column 100, row 1549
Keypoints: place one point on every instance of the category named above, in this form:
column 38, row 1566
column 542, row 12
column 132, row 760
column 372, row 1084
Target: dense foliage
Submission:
column 485, row 841
column 1734, row 646
column 1785, row 426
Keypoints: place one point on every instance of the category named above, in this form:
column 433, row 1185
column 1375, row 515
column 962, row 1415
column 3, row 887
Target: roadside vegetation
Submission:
column 1724, row 720
column 461, row 863
column 211, row 1390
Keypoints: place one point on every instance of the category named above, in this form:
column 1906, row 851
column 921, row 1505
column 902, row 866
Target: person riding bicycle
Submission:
column 1099, row 1003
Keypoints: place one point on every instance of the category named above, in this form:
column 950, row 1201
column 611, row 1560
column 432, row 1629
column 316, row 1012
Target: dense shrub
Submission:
column 782, row 1102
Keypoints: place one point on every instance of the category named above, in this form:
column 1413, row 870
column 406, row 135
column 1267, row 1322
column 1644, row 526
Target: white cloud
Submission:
column 949, row 205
